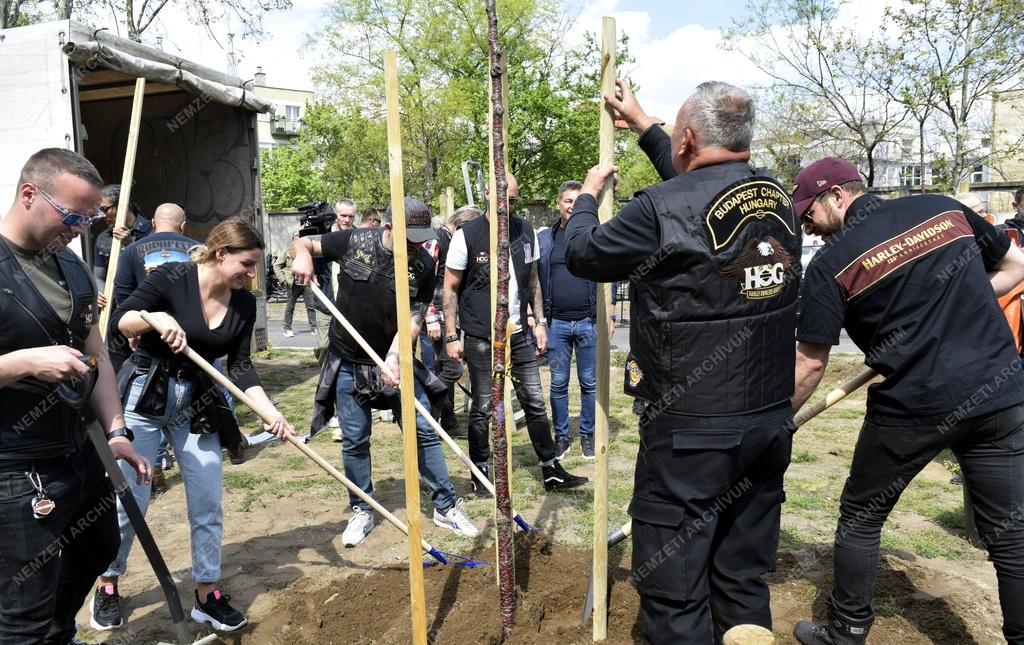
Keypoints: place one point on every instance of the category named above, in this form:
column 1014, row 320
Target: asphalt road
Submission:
column 304, row 339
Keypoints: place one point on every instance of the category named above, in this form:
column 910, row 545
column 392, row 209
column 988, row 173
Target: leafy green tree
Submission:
column 442, row 47
column 831, row 72
column 288, row 179
column 957, row 54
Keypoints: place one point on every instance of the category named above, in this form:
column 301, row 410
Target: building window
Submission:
column 978, row 174
column 986, row 142
column 291, row 112
column 908, row 147
column 911, row 176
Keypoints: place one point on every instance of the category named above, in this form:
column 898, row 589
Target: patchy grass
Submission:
column 925, row 521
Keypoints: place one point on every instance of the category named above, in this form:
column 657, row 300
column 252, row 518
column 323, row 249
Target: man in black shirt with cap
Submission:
column 912, row 280
column 366, row 297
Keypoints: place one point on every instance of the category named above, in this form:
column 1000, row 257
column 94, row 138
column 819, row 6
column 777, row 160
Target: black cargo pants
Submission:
column 706, row 509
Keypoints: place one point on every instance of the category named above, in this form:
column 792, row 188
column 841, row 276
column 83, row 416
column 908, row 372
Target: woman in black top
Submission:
column 204, row 304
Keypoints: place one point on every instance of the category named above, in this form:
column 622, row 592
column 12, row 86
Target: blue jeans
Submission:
column 563, row 337
column 427, row 351
column 354, row 416
column 199, row 459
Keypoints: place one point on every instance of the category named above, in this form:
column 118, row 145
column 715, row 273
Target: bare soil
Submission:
column 285, row 567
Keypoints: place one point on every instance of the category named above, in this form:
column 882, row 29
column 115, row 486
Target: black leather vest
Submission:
column 714, row 311
column 34, row 423
column 475, row 290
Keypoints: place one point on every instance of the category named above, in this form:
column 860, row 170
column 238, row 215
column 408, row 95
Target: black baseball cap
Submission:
column 417, row 221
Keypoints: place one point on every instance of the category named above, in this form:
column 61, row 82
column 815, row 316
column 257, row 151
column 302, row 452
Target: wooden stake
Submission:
column 124, row 201
column 499, row 290
column 604, row 212
column 451, row 203
column 412, row 475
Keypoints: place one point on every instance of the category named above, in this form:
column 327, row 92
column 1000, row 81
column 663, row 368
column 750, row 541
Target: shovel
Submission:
column 75, row 395
column 459, row 452
column 303, row 448
column 804, row 415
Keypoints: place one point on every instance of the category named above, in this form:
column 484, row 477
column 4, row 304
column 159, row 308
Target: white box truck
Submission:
column 64, row 84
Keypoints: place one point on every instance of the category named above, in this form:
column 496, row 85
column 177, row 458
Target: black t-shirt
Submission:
column 366, row 292
column 174, row 288
column 570, row 296
column 142, row 257
column 907, row 279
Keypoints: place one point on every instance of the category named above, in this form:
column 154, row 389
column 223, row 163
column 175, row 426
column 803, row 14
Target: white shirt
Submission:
column 458, row 258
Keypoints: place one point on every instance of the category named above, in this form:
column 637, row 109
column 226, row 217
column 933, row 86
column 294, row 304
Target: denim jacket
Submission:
column 545, row 239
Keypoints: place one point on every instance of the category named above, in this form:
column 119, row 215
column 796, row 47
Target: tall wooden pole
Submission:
column 604, row 213
column 124, row 201
column 450, row 192
column 412, row 475
column 499, row 285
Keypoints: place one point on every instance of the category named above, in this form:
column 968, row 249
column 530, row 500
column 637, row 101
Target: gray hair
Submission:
column 462, row 215
column 722, row 115
column 344, row 201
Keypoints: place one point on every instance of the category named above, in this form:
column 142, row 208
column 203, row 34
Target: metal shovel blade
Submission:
column 616, row 536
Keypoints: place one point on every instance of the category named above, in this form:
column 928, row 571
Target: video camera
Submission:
column 317, row 218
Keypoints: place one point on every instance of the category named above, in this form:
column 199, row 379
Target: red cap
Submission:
column 819, row 177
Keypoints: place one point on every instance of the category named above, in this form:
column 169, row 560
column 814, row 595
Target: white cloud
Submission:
column 668, row 69
column 284, row 53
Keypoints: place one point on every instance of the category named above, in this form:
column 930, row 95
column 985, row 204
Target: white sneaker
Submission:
column 288, row 333
column 333, row 423
column 456, row 520
column 359, row 526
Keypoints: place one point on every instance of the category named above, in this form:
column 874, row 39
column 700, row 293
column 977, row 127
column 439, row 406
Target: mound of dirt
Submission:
column 462, row 603
column 917, row 602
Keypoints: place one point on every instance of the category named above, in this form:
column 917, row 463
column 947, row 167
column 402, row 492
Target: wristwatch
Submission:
column 542, row 321
column 451, row 338
column 121, row 432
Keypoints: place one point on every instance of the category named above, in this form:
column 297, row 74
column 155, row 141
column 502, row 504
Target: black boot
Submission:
column 839, row 630
column 478, row 487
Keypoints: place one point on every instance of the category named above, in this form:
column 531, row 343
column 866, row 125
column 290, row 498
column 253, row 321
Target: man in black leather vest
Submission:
column 56, row 505
column 467, row 293
column 713, row 258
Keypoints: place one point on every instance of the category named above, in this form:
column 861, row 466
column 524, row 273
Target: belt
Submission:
column 182, row 375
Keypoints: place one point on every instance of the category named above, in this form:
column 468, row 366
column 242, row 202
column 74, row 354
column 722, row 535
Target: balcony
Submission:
column 288, row 127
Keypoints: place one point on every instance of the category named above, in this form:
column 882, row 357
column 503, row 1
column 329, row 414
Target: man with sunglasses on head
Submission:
column 56, row 505
column 912, row 281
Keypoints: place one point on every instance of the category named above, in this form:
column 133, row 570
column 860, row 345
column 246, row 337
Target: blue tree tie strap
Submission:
column 454, row 559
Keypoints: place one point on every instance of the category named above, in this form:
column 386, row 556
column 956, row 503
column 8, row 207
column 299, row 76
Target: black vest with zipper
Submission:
column 475, row 289
column 34, row 423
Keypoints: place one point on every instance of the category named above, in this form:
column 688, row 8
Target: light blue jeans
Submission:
column 563, row 338
column 354, row 415
column 199, row 458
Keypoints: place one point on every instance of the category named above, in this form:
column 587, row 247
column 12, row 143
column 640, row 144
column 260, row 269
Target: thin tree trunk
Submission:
column 502, row 494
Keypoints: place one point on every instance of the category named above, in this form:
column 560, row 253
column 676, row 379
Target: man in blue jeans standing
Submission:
column 570, row 304
column 366, row 297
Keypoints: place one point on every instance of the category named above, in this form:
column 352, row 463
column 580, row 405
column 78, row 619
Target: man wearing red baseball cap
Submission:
column 911, row 280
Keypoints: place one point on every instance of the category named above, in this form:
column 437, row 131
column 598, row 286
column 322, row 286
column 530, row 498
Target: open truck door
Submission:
column 67, row 85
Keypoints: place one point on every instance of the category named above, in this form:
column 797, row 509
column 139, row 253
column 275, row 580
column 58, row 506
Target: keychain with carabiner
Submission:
column 42, row 505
